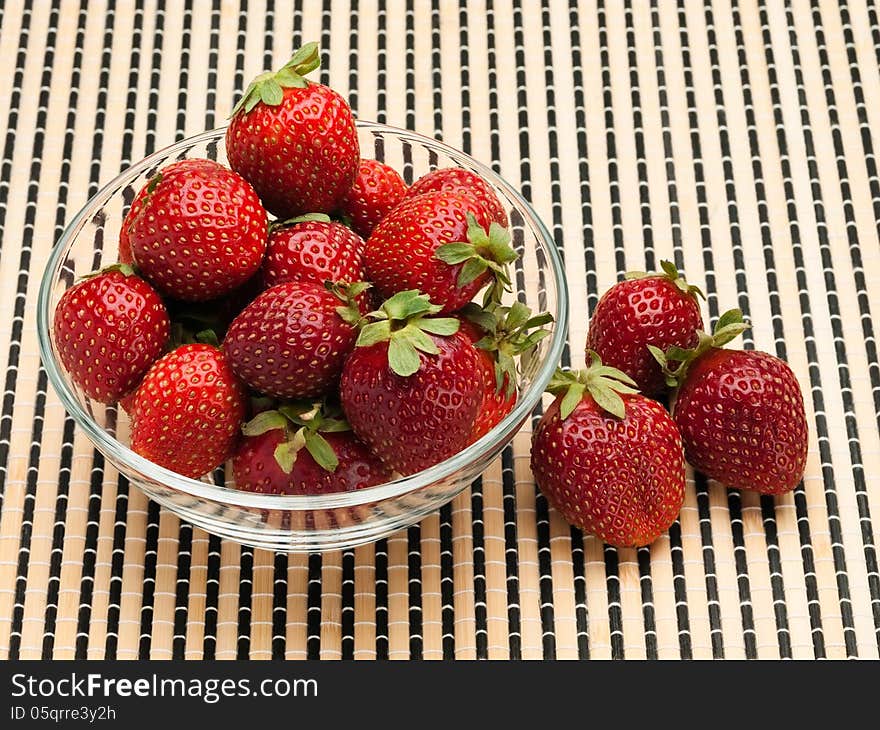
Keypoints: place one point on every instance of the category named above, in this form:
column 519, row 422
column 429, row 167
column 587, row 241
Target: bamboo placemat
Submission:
column 734, row 137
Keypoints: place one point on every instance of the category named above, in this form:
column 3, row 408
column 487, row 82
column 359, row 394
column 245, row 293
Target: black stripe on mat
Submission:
column 542, row 507
column 313, row 610
column 639, row 138
column 348, row 614
column 612, row 578
column 578, row 557
column 701, row 487
column 213, row 58
column 66, row 455
column 447, row 563
column 185, row 530
column 5, row 177
column 507, row 471
column 245, row 600
column 676, row 550
column 27, row 242
column 414, row 533
column 767, row 505
column 477, row 527
column 643, row 554
column 381, row 546
column 151, row 548
column 734, row 500
column 120, row 526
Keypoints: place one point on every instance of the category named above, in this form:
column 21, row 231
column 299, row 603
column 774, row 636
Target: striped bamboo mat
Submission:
column 733, row 136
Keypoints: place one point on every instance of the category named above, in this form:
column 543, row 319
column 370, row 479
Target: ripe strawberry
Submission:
column 304, row 449
column 196, row 231
column 291, row 341
column 438, row 243
column 313, row 248
column 412, row 386
column 294, row 140
column 187, row 411
column 740, row 413
column 608, row 459
column 377, row 189
column 500, row 334
column 645, row 309
column 459, row 180
column 109, row 329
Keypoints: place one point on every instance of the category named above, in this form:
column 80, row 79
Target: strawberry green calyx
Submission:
column 481, row 252
column 508, row 332
column 124, row 269
column 304, row 218
column 676, row 361
column 605, row 384
column 405, row 321
column 302, row 423
column 348, row 293
column 670, row 272
column 268, row 87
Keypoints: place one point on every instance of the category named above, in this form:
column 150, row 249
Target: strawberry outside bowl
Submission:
column 303, row 523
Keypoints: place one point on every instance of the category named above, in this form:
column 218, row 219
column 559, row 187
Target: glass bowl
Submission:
column 302, row 523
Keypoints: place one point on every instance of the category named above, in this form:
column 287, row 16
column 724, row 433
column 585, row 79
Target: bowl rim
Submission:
column 229, row 495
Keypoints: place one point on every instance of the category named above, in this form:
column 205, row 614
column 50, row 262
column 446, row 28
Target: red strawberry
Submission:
column 412, row 386
column 197, row 230
column 304, row 449
column 312, row 248
column 608, row 459
column 294, row 140
column 187, row 411
column 291, row 341
column 459, row 180
column 500, row 334
column 438, row 243
column 645, row 309
column 377, row 189
column 109, row 329
column 740, row 413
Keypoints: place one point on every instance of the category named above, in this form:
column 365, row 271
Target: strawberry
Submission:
column 377, row 189
column 291, row 341
column 187, row 412
column 500, row 334
column 608, row 459
column 740, row 413
column 196, row 231
column 294, row 140
column 459, row 180
column 304, row 448
column 313, row 248
column 412, row 386
column 441, row 244
column 645, row 309
column 108, row 329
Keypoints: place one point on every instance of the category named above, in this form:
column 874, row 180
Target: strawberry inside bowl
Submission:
column 333, row 520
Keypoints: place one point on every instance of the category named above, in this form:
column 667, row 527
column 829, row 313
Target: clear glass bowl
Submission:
column 301, row 523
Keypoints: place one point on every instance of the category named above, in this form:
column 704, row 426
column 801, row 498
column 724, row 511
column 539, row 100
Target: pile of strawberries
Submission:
column 323, row 349
column 340, row 343
column 611, row 458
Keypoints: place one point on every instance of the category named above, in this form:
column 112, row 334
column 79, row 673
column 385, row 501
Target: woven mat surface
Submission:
column 735, row 137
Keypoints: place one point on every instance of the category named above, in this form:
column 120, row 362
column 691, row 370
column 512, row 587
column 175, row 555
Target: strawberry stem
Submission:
column 676, row 361
column 268, row 88
column 404, row 322
column 670, row 272
column 302, row 423
column 604, row 384
column 483, row 251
